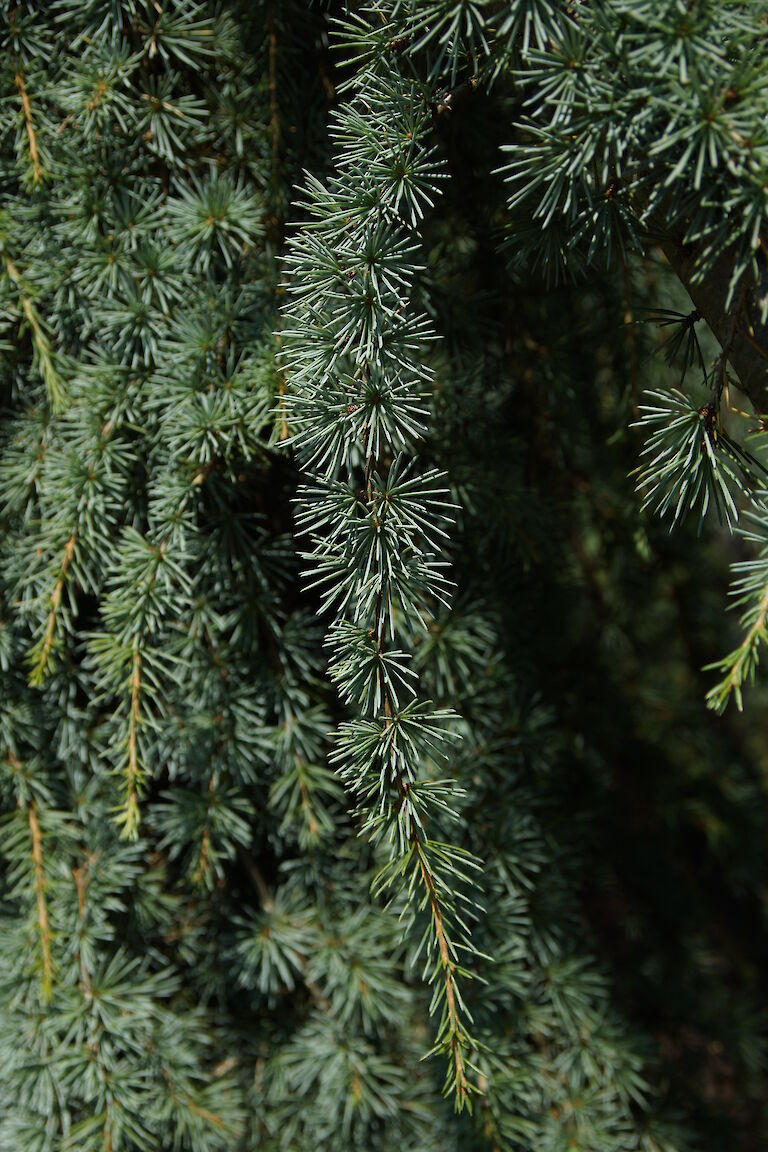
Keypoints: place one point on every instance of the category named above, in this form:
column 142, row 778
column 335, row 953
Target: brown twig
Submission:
column 454, row 1024
column 26, row 109
column 41, row 344
column 43, row 660
column 81, row 876
column 134, row 720
column 205, row 841
column 43, row 923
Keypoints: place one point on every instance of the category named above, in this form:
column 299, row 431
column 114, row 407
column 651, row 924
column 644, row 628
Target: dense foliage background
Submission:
column 351, row 699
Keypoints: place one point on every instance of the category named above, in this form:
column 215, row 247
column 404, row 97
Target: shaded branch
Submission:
column 741, row 333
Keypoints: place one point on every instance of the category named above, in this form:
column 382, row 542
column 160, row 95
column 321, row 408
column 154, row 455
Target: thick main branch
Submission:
column 742, row 334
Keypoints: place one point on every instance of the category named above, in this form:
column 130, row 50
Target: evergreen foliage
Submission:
column 356, row 779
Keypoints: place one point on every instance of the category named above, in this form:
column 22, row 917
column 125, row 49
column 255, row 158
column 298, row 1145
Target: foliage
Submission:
column 335, row 651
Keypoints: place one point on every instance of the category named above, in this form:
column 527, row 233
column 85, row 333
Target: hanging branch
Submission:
column 41, row 655
column 43, row 924
column 26, row 111
column 352, row 353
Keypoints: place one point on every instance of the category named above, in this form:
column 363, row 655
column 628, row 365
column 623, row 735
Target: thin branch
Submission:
column 26, row 109
column 43, row 924
column 205, row 842
column 37, row 675
column 81, row 876
column 44, row 355
column 456, row 1033
column 129, row 818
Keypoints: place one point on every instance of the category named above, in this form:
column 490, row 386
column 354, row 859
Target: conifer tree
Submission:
column 357, row 782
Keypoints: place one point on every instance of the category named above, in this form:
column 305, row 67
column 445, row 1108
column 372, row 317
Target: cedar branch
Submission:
column 26, row 109
column 739, row 328
column 43, row 923
column 43, row 660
